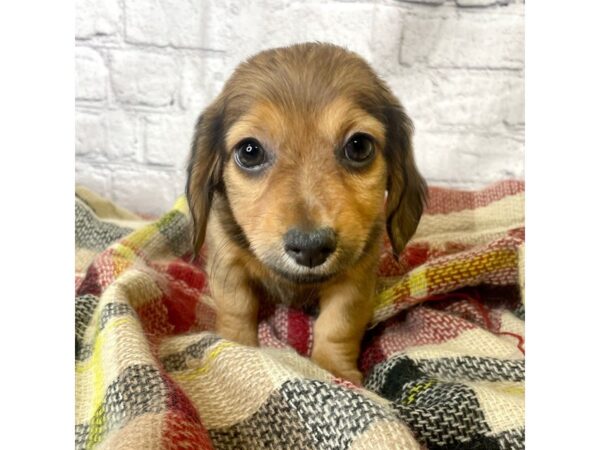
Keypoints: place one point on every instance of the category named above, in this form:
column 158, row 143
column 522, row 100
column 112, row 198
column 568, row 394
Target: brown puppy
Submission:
column 287, row 178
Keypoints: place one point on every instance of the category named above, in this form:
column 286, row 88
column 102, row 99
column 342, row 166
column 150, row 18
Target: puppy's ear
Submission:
column 204, row 170
column 407, row 191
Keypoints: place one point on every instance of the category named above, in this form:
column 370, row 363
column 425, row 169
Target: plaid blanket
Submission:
column 443, row 358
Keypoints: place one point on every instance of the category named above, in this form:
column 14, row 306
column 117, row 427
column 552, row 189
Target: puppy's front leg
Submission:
column 346, row 308
column 236, row 305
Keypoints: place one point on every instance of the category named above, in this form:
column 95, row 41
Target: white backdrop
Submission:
column 146, row 68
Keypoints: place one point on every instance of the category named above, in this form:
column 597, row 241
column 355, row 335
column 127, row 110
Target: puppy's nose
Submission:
column 310, row 248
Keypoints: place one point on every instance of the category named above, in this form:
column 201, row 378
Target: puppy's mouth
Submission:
column 302, row 278
column 286, row 268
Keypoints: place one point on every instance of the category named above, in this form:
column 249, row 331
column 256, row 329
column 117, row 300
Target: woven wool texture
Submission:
column 443, row 358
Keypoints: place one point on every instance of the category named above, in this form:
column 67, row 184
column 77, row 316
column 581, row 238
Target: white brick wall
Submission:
column 146, row 69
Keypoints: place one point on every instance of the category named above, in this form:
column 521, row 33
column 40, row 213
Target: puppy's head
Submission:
column 300, row 147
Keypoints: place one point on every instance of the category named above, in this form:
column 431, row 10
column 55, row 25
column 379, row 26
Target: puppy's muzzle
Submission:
column 309, row 248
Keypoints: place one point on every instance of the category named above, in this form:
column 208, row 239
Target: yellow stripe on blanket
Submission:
column 417, row 389
column 485, row 263
column 191, row 374
column 98, row 371
column 99, row 342
column 417, row 282
column 147, row 239
column 181, row 205
column 141, row 237
column 125, row 251
column 424, row 280
column 93, row 365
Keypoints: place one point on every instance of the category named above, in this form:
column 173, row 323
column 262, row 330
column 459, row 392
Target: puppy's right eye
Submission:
column 359, row 149
column 250, row 155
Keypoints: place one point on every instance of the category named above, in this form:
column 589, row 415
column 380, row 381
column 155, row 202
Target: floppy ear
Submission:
column 204, row 170
column 407, row 191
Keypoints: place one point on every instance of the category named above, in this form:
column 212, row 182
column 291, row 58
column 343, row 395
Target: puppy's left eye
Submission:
column 359, row 149
column 250, row 155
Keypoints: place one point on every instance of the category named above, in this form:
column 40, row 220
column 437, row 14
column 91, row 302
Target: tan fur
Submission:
column 302, row 103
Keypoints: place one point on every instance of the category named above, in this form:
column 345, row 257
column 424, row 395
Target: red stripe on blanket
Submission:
column 519, row 338
column 182, row 428
column 154, row 317
column 415, row 255
column 187, row 273
column 181, row 307
column 422, row 326
column 444, row 201
column 90, row 284
column 298, row 331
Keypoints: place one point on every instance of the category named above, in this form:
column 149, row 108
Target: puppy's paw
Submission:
column 243, row 336
column 354, row 376
column 339, row 364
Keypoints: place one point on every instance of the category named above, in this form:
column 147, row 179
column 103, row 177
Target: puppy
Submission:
column 287, row 180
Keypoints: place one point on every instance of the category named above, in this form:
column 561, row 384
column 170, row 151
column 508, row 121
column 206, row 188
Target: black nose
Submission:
column 310, row 248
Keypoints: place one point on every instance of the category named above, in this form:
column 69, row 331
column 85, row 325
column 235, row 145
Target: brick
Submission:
column 106, row 135
column 164, row 22
column 193, row 92
column 90, row 75
column 96, row 18
column 144, row 78
column 348, row 24
column 90, row 134
column 468, row 157
column 239, row 27
column 202, row 79
column 450, row 98
column 144, row 190
column 169, row 139
column 416, row 90
column 482, row 40
column 244, row 29
column 124, row 143
column 480, row 99
column 475, row 40
column 420, row 35
column 515, row 111
column 386, row 37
